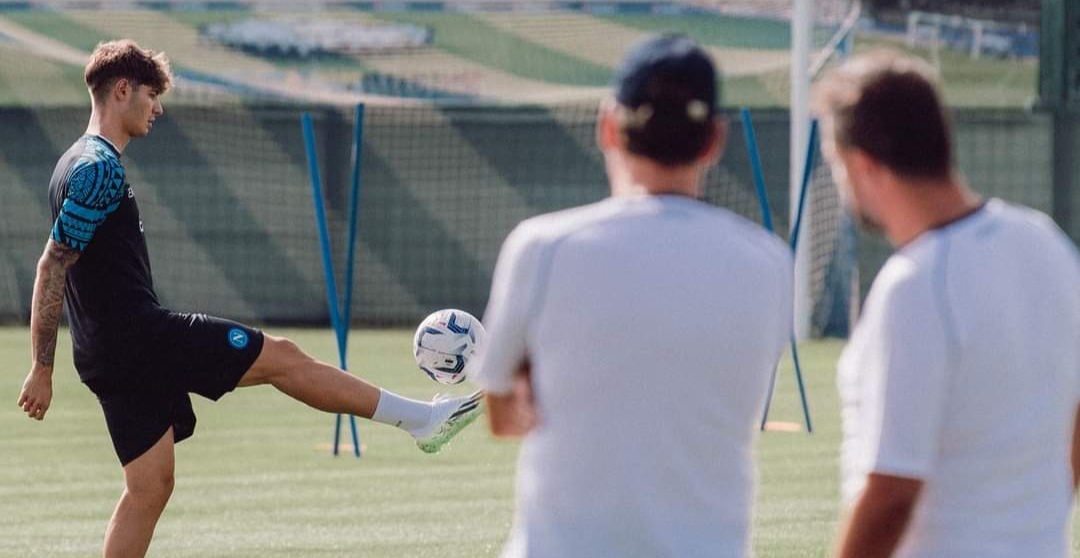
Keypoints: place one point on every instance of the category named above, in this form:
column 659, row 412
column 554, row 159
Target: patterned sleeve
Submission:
column 95, row 189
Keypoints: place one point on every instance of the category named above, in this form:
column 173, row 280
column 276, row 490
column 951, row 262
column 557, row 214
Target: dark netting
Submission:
column 226, row 199
column 833, row 270
column 443, row 187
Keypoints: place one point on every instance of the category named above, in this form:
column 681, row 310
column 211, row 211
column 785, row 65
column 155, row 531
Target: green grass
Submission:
column 59, row 27
column 470, row 38
column 8, row 96
column 719, row 31
column 252, row 482
column 200, row 18
column 967, row 82
column 27, row 79
column 972, row 82
column 748, row 92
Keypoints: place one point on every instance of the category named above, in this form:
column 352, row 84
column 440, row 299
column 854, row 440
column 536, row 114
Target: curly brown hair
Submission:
column 124, row 59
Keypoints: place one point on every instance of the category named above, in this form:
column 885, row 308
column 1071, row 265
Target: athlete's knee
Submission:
column 288, row 354
column 152, row 489
column 281, row 357
column 149, row 478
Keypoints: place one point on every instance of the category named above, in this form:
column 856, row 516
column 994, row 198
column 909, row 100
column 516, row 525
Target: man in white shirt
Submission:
column 960, row 383
column 632, row 340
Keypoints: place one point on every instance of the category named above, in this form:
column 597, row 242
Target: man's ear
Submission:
column 122, row 89
column 716, row 146
column 860, row 163
column 608, row 129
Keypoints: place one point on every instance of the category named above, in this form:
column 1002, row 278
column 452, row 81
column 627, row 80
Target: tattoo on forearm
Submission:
column 48, row 302
column 61, row 254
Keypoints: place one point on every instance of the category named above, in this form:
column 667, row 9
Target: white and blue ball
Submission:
column 445, row 345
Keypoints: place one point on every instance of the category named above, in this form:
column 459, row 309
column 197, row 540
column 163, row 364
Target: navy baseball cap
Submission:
column 670, row 71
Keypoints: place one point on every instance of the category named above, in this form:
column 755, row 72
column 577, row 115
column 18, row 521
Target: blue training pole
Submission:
column 354, row 204
column 766, row 218
column 324, row 242
column 759, row 174
column 807, row 172
column 350, row 260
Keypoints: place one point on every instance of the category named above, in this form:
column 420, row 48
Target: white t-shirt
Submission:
column 652, row 325
column 964, row 372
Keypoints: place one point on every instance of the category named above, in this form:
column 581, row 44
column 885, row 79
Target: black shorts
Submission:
column 182, row 354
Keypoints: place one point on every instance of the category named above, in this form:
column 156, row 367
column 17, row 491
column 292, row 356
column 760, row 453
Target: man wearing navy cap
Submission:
column 632, row 340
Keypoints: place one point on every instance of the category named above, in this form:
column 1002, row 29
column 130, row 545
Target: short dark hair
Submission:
column 888, row 105
column 123, row 59
column 663, row 131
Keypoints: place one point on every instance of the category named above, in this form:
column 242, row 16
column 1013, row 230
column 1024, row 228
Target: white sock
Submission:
column 402, row 412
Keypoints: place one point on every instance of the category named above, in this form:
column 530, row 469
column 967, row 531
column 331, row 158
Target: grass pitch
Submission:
column 499, row 54
column 257, row 479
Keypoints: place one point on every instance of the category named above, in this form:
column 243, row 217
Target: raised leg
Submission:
column 285, row 366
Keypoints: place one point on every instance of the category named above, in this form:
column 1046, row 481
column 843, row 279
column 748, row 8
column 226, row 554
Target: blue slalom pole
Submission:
column 320, row 217
column 324, row 242
column 354, row 204
column 759, row 174
column 350, row 260
column 807, row 172
column 766, row 218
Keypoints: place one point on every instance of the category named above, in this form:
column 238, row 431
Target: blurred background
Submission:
column 479, row 114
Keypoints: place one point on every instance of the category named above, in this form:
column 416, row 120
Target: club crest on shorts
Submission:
column 238, row 338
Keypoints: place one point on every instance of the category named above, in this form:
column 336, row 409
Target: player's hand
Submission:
column 526, row 415
column 36, row 394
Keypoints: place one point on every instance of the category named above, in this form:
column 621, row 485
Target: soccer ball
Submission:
column 445, row 344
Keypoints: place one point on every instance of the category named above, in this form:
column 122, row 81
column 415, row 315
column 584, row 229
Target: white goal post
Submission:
column 820, row 30
column 802, row 33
